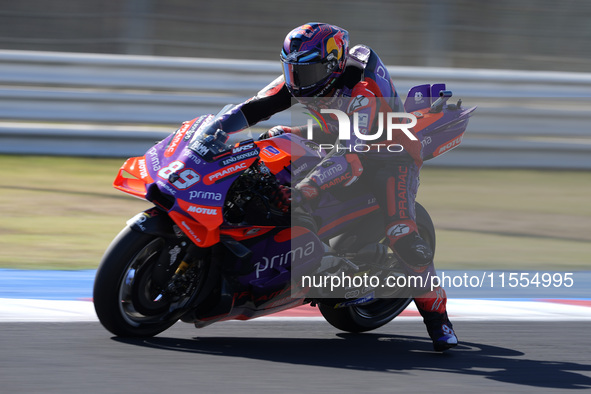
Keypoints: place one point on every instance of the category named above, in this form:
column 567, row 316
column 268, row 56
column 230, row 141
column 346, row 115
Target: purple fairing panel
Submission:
column 275, row 258
column 446, row 134
column 422, row 96
column 330, row 169
column 179, row 171
column 335, row 216
column 439, row 129
column 305, row 155
column 419, row 97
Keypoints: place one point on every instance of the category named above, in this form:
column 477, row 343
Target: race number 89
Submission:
column 186, row 178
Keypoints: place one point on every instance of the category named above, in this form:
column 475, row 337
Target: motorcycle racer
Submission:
column 319, row 68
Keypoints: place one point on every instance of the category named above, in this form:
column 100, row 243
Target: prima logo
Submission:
column 284, row 258
column 330, row 173
column 426, row 141
column 154, row 160
column 189, row 153
column 205, row 195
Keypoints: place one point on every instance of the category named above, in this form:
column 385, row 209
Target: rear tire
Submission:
column 125, row 290
column 367, row 317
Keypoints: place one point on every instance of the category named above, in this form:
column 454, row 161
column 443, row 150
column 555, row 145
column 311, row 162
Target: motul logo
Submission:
column 449, row 145
column 202, row 210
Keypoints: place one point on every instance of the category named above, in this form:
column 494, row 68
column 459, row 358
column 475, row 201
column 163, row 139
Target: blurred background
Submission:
column 507, row 34
column 106, row 78
column 131, row 70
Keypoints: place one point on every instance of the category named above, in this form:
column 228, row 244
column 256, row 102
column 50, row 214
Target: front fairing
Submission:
column 191, row 186
column 189, row 174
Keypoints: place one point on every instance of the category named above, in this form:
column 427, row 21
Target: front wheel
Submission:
column 367, row 317
column 130, row 282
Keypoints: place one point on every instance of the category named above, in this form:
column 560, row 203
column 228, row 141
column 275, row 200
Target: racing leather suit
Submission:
column 393, row 177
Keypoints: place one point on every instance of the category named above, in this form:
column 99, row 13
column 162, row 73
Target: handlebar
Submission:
column 437, row 106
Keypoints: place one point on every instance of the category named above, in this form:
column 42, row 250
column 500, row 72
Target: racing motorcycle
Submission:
column 218, row 243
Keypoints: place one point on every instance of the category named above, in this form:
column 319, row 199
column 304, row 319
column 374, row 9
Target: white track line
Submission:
column 26, row 310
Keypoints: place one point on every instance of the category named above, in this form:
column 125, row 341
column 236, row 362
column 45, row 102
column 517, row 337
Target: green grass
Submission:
column 509, row 218
column 62, row 213
column 59, row 213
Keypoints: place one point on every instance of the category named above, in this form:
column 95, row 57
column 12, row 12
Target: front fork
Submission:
column 199, row 271
column 186, row 275
column 155, row 221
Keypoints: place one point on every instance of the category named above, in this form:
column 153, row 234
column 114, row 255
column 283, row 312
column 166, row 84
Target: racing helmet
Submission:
column 313, row 58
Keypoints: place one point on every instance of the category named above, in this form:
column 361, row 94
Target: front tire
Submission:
column 126, row 290
column 367, row 317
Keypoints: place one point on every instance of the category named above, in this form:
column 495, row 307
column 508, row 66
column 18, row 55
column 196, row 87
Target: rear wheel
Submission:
column 132, row 288
column 367, row 317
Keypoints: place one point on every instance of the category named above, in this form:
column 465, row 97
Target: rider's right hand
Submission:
column 211, row 128
column 215, row 131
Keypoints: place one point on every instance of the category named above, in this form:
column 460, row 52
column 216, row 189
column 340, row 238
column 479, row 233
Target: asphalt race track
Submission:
column 52, row 342
column 294, row 356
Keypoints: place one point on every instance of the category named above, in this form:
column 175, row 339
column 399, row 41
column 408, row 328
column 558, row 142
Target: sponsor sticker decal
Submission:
column 222, row 173
column 270, row 151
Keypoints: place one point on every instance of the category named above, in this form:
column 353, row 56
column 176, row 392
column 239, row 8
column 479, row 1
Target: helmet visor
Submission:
column 304, row 75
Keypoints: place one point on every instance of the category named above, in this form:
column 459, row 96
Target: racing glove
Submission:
column 274, row 132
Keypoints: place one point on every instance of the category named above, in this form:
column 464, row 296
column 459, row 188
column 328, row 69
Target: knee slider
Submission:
column 414, row 251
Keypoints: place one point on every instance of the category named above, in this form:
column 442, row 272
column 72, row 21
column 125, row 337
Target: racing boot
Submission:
column 432, row 307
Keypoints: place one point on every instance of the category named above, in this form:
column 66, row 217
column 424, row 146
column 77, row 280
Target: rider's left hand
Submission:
column 274, row 132
column 356, row 167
